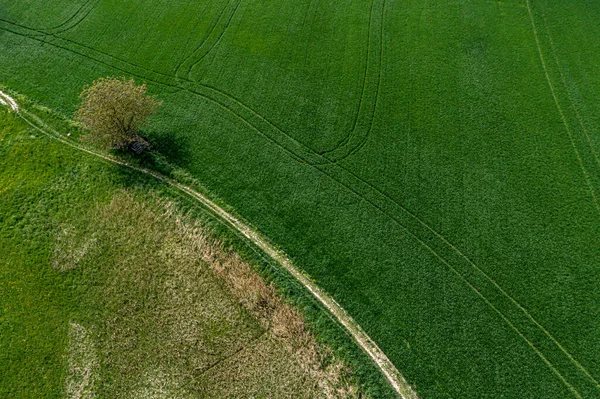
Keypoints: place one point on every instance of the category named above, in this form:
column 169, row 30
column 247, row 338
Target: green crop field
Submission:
column 435, row 166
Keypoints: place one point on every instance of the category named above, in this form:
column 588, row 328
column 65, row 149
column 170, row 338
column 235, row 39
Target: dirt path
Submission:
column 394, row 377
column 5, row 99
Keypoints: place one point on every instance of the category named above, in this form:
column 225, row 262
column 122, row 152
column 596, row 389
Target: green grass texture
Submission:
column 433, row 165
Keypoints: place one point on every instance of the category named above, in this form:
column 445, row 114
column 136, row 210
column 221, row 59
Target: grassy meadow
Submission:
column 433, row 165
column 114, row 286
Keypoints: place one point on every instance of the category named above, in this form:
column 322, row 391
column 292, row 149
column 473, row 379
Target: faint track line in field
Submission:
column 92, row 58
column 358, row 334
column 560, row 110
column 252, row 343
column 189, row 39
column 76, row 23
column 565, row 85
column 62, row 28
column 310, row 3
column 79, row 10
column 373, row 189
column 362, row 143
column 505, row 319
column 214, row 26
column 363, row 86
column 345, row 141
column 471, row 286
column 215, row 44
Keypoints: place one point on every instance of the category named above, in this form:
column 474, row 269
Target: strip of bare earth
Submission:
column 8, row 100
column 392, row 374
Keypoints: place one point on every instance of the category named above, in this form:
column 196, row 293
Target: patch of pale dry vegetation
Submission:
column 70, row 247
column 283, row 321
column 83, row 364
column 188, row 318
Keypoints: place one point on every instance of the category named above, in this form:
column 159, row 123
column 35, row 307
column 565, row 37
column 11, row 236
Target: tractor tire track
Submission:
column 74, row 15
column 566, row 86
column 190, row 58
column 214, row 45
column 202, row 41
column 586, row 173
column 344, row 140
column 346, row 147
column 67, row 25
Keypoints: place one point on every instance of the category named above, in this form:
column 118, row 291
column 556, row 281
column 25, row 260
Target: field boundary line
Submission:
column 560, row 110
column 394, row 377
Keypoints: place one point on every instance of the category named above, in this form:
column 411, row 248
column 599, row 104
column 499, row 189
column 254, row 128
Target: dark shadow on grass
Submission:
column 167, row 152
column 173, row 148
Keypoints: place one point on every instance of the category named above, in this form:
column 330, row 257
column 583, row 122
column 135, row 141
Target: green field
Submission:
column 433, row 165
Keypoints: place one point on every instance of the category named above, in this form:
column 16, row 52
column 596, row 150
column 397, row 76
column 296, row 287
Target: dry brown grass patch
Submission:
column 83, row 364
column 283, row 321
column 184, row 309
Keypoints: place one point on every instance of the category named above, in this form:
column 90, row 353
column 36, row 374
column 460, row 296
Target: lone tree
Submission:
column 112, row 109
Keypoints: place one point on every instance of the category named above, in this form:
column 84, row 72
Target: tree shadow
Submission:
column 173, row 148
column 167, row 153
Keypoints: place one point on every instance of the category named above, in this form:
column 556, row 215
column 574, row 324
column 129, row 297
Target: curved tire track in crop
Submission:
column 208, row 44
column 358, row 135
column 73, row 21
column 365, row 113
column 189, row 60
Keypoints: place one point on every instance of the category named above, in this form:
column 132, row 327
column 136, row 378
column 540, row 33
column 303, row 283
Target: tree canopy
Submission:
column 112, row 109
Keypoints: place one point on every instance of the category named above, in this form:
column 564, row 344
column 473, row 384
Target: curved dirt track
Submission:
column 5, row 99
column 388, row 369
